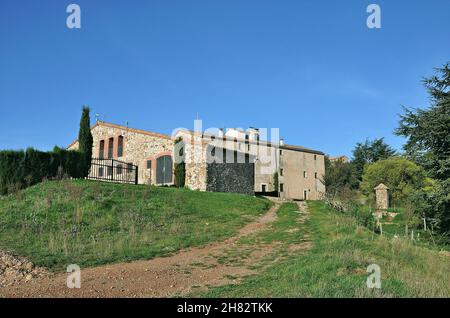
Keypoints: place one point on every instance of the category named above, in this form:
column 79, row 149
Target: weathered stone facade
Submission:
column 382, row 197
column 253, row 162
column 138, row 147
column 300, row 170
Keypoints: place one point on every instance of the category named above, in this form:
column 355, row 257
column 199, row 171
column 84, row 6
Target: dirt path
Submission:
column 189, row 270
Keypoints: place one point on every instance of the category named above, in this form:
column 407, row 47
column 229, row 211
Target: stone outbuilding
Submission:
column 382, row 197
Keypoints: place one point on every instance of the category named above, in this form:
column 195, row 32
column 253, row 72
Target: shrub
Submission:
column 180, row 174
column 20, row 169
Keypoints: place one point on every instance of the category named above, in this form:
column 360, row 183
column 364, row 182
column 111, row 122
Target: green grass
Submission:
column 56, row 223
column 336, row 265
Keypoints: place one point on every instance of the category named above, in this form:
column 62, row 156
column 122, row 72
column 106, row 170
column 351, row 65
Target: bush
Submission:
column 25, row 168
column 180, row 174
column 403, row 177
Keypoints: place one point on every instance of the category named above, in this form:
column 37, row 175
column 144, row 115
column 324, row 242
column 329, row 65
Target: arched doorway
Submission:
column 164, row 169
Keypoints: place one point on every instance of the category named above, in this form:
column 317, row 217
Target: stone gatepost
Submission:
column 382, row 197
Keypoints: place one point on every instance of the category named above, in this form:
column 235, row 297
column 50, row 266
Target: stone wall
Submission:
column 138, row 147
column 382, row 197
column 231, row 177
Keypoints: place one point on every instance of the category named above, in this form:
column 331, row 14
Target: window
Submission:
column 110, row 147
column 119, row 169
column 213, row 152
column 281, row 187
column 100, row 172
column 281, row 152
column 304, row 174
column 181, row 152
column 101, row 151
column 149, row 164
column 235, row 157
column 120, row 146
column 130, row 167
column 248, row 147
column 315, row 175
column 281, row 172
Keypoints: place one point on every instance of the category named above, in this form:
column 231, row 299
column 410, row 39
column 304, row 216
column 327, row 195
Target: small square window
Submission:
column 304, row 174
column 281, row 172
column 281, row 152
column 281, row 187
column 315, row 175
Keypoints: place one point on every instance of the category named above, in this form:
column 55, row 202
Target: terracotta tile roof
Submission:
column 137, row 131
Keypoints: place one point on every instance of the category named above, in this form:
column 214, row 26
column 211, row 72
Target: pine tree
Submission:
column 85, row 140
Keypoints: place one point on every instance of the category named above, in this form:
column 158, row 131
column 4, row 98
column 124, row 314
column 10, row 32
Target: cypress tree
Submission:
column 85, row 141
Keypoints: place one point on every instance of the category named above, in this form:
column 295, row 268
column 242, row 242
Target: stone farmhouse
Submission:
column 231, row 161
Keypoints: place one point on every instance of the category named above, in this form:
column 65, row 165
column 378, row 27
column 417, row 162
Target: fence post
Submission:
column 112, row 169
column 136, row 176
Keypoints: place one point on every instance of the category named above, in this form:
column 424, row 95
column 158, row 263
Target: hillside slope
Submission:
column 337, row 264
column 56, row 223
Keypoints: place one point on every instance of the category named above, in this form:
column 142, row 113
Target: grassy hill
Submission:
column 56, row 223
column 336, row 266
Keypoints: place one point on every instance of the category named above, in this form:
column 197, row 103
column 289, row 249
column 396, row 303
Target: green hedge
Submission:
column 25, row 168
column 180, row 174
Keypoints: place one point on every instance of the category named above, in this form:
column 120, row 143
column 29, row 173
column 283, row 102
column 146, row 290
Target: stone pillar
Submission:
column 382, row 197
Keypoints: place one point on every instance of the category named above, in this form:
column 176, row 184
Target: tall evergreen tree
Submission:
column 428, row 130
column 428, row 143
column 85, row 140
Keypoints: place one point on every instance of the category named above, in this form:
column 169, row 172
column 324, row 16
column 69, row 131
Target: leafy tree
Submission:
column 369, row 152
column 428, row 143
column 403, row 177
column 339, row 175
column 85, row 141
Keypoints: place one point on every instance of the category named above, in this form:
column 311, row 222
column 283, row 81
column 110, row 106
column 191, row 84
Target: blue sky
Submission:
column 311, row 68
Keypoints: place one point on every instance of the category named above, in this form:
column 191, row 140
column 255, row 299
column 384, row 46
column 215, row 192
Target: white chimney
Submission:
column 281, row 142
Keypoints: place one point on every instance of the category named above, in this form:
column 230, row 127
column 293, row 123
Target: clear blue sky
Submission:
column 311, row 68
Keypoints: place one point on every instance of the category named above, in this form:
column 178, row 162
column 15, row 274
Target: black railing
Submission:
column 113, row 170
